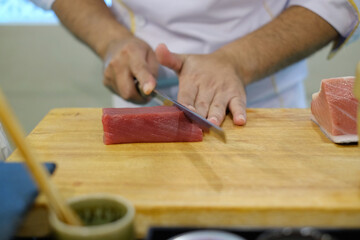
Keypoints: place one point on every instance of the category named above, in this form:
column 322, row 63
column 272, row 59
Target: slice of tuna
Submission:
column 334, row 109
column 148, row 124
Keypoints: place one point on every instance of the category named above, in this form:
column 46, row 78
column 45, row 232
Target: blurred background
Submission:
column 42, row 66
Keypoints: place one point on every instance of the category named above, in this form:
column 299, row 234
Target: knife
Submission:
column 202, row 122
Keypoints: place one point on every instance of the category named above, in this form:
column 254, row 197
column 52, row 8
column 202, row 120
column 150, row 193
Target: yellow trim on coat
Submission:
column 132, row 16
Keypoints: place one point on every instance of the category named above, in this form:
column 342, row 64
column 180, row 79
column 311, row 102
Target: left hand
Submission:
column 208, row 84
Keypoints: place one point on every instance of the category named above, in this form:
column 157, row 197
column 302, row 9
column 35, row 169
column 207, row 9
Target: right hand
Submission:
column 126, row 60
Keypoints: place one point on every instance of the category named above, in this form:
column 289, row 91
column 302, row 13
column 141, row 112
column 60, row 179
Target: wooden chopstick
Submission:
column 38, row 172
column 357, row 95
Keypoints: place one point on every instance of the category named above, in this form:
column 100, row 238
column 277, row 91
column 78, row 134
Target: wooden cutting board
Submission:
column 278, row 170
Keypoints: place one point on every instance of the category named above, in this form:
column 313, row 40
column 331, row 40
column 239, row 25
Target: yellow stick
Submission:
column 38, row 172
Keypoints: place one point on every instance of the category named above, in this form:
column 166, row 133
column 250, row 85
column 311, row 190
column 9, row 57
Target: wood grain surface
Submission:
column 278, row 170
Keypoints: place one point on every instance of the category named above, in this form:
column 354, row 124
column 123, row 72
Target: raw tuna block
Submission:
column 148, row 124
column 334, row 109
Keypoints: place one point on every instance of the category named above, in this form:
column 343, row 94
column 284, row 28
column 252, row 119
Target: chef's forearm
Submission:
column 92, row 22
column 292, row 36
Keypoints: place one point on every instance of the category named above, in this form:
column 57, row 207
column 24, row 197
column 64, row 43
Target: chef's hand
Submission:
column 208, row 84
column 126, row 60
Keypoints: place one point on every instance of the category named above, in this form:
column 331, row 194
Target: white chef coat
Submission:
column 201, row 27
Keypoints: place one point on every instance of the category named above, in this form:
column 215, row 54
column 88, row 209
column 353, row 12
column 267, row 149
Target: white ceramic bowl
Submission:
column 207, row 235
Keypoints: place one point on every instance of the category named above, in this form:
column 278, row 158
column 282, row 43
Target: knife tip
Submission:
column 218, row 133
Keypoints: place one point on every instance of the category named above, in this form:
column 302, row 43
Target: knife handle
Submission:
column 138, row 89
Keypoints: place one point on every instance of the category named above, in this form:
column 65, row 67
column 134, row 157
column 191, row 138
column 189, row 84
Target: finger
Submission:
column 203, row 101
column 237, row 106
column 140, row 69
column 127, row 88
column 141, row 72
column 107, row 84
column 113, row 69
column 109, row 81
column 169, row 59
column 187, row 94
column 122, row 84
column 152, row 63
column 217, row 110
column 153, row 66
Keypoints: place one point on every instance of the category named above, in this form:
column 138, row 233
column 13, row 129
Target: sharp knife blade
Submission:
column 203, row 123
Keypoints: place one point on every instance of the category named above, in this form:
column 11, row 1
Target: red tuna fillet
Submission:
column 334, row 109
column 148, row 124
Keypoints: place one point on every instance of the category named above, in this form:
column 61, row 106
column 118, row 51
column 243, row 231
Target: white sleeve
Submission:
column 339, row 13
column 44, row 4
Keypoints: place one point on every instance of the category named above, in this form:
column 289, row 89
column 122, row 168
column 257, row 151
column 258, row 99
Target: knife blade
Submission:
column 202, row 122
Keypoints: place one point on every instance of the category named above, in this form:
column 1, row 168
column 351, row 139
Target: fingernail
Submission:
column 214, row 120
column 191, row 108
column 240, row 119
column 147, row 88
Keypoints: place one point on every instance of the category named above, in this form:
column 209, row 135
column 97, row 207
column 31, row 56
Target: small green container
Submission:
column 105, row 216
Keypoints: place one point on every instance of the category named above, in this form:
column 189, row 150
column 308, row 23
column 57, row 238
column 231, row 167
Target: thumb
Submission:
column 169, row 59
